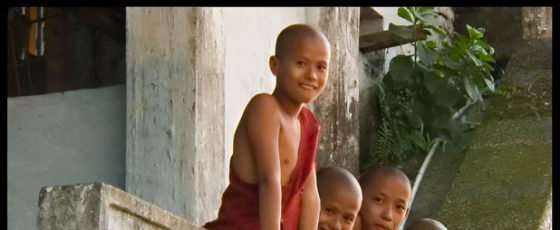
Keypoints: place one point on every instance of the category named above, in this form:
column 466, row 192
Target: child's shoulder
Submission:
column 262, row 103
column 263, row 97
column 263, row 100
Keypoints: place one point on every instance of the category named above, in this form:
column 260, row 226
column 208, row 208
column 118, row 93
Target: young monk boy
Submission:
column 386, row 192
column 425, row 224
column 341, row 198
column 272, row 171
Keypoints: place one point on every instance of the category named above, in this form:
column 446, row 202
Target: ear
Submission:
column 273, row 64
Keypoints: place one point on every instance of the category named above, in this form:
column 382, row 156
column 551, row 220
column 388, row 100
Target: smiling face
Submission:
column 341, row 198
column 385, row 202
column 339, row 208
column 302, row 71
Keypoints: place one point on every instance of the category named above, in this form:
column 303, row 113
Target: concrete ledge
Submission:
column 93, row 206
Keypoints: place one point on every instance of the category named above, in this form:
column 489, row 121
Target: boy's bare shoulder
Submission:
column 262, row 103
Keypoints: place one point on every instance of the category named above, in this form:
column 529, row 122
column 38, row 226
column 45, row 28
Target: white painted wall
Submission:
column 250, row 36
column 59, row 139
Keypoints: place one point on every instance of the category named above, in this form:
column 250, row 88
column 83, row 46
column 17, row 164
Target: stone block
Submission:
column 98, row 206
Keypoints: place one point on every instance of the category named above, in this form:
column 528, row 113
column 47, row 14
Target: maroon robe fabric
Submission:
column 240, row 201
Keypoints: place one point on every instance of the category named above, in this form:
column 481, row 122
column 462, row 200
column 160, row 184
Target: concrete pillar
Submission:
column 337, row 108
column 175, row 109
column 98, row 206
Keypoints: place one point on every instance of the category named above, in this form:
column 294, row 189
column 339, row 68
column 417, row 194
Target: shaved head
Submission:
column 335, row 177
column 384, row 186
column 341, row 198
column 380, row 171
column 426, row 224
column 293, row 34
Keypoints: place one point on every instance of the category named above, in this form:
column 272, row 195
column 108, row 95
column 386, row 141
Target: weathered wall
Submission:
column 157, row 79
column 369, row 73
column 250, row 36
column 209, row 62
column 337, row 107
column 175, row 108
column 61, row 138
column 537, row 22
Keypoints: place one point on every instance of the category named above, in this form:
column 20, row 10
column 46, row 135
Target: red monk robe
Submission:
column 240, row 201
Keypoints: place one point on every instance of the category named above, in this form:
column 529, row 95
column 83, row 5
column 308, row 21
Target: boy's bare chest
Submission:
column 288, row 144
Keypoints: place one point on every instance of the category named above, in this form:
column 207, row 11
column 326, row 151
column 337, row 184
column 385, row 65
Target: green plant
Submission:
column 421, row 94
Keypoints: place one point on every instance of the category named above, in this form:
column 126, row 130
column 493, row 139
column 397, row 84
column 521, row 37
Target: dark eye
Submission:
column 329, row 210
column 323, row 67
column 300, row 63
column 401, row 208
column 378, row 200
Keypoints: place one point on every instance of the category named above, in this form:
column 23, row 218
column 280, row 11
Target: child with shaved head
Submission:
column 425, row 224
column 341, row 198
column 386, row 191
column 272, row 182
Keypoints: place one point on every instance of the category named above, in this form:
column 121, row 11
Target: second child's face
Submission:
column 303, row 71
column 385, row 203
column 339, row 208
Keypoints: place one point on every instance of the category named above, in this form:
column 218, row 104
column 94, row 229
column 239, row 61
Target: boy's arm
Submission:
column 263, row 129
column 310, row 204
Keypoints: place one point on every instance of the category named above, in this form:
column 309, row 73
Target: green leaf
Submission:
column 489, row 84
column 474, row 33
column 436, row 29
column 486, row 57
column 405, row 13
column 469, row 88
column 425, row 11
column 417, row 14
column 401, row 68
column 404, row 32
column 426, row 54
column 483, row 44
column 431, row 44
column 434, row 83
column 418, row 139
column 477, row 48
column 476, row 61
column 452, row 64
